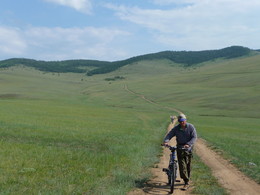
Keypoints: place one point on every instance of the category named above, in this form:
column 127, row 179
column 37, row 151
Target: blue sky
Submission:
column 115, row 30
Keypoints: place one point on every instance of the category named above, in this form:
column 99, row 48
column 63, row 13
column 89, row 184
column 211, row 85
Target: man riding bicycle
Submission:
column 186, row 136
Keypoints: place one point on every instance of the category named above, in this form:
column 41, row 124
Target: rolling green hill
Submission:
column 187, row 58
column 69, row 133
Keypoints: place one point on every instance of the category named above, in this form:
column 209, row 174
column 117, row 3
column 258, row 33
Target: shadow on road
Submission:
column 155, row 188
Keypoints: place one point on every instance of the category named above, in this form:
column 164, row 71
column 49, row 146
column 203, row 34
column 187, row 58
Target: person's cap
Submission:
column 182, row 118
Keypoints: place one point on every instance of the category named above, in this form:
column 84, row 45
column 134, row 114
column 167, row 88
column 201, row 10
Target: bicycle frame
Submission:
column 171, row 171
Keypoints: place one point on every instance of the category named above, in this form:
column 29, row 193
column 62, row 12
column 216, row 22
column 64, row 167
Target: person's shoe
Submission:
column 186, row 181
column 186, row 186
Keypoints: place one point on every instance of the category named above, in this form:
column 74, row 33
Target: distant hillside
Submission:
column 54, row 66
column 188, row 58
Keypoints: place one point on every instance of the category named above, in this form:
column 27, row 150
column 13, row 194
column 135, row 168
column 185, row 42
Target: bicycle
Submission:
column 171, row 171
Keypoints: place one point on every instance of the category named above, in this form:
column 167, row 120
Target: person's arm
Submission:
column 169, row 136
column 193, row 136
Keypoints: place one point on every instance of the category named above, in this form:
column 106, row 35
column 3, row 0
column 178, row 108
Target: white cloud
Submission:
column 203, row 13
column 62, row 43
column 11, row 42
column 88, row 42
column 200, row 24
column 84, row 6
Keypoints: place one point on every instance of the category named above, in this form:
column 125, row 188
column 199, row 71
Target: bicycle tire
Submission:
column 173, row 176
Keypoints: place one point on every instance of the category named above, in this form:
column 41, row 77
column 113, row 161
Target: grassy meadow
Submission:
column 62, row 135
column 73, row 134
column 221, row 99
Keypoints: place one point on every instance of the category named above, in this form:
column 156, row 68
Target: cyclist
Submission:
column 186, row 136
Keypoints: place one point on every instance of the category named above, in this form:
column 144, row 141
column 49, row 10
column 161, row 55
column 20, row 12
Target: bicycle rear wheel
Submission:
column 173, row 176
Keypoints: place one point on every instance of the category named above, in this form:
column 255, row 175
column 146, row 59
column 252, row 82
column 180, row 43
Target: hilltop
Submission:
column 92, row 67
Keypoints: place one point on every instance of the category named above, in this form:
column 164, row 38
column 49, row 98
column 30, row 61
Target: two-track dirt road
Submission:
column 158, row 184
column 228, row 176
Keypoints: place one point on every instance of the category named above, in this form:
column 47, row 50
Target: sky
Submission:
column 113, row 30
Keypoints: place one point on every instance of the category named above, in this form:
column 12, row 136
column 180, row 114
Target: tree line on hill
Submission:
column 188, row 58
column 54, row 66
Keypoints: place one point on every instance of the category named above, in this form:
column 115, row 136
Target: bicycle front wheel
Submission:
column 173, row 176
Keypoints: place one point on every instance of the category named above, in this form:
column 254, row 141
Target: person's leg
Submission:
column 182, row 161
column 189, row 165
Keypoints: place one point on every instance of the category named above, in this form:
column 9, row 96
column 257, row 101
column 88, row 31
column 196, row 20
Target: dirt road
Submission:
column 158, row 184
column 228, row 176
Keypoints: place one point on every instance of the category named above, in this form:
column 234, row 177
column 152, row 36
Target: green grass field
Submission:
column 73, row 134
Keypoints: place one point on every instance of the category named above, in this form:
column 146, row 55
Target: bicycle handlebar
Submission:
column 174, row 147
